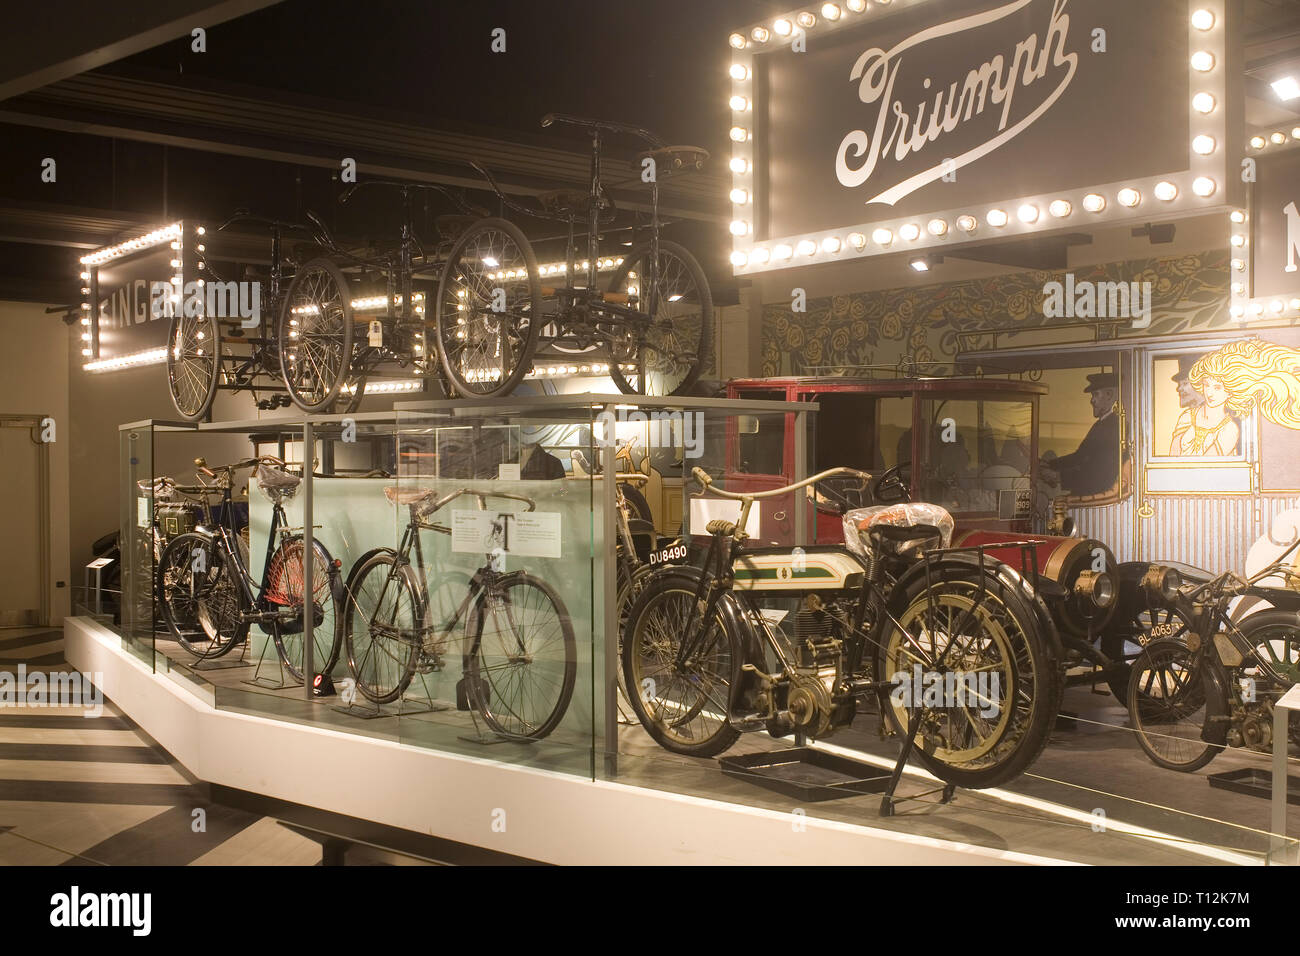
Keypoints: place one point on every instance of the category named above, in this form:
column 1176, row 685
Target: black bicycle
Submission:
column 209, row 600
column 1210, row 681
column 207, row 352
column 652, row 325
column 763, row 638
column 519, row 657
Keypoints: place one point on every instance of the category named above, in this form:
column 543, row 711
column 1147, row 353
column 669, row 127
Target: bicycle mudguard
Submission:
column 1215, row 681
column 360, row 562
column 752, row 650
column 1007, row 575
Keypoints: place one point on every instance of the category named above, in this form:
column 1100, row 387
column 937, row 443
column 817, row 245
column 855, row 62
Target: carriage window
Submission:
column 976, row 456
column 760, row 439
column 846, row 425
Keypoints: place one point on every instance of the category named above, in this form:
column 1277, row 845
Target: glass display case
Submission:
column 474, row 569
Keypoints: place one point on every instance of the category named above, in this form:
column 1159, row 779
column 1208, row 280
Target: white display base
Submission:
column 548, row 817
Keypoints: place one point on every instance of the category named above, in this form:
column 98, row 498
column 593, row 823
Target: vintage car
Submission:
column 970, row 444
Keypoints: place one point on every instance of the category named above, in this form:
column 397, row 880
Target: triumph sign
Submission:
column 867, row 128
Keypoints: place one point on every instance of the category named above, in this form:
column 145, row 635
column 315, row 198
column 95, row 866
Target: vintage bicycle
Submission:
column 652, row 324
column 203, row 577
column 764, row 638
column 207, row 353
column 1209, row 681
column 519, row 656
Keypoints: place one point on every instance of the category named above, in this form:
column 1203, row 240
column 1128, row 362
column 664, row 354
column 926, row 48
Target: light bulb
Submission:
column 1203, row 144
column 882, row 237
column 1204, row 102
column 1128, row 196
column 1027, row 213
column 1060, row 208
column 1204, row 186
column 1202, row 61
column 1165, row 191
column 997, row 218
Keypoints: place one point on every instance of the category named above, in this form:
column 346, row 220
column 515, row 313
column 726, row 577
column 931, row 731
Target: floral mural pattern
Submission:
column 850, row 334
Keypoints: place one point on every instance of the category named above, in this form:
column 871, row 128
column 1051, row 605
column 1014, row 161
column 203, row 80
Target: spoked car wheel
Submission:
column 198, row 597
column 315, row 335
column 286, row 587
column 383, row 626
column 674, row 345
column 998, row 680
column 684, row 707
column 522, row 660
column 1168, row 706
column 489, row 308
column 193, row 364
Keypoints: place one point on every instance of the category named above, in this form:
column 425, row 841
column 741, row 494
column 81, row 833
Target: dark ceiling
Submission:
column 410, row 88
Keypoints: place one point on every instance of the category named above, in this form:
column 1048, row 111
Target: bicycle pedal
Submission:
column 427, row 664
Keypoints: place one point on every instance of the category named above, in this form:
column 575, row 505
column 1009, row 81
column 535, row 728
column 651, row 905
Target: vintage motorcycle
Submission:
column 793, row 641
column 1209, row 681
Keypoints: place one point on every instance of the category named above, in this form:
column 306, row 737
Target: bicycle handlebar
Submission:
column 594, row 124
column 201, row 465
column 705, row 481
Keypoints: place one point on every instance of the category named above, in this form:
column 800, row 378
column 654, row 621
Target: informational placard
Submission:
column 143, row 513
column 704, row 510
column 533, row 534
column 893, row 127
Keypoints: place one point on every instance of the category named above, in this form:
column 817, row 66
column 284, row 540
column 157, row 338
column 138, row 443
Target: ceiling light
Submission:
column 1287, row 88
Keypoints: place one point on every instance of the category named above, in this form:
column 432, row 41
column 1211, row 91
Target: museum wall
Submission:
column 35, row 382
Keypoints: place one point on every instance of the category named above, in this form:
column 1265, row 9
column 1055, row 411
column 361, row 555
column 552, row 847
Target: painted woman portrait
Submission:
column 1233, row 382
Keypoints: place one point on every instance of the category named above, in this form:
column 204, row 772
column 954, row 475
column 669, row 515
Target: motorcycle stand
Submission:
column 889, row 802
column 364, row 709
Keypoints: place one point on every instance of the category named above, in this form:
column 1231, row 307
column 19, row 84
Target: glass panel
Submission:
column 137, row 542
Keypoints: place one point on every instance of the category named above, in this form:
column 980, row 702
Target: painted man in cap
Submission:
column 1094, row 468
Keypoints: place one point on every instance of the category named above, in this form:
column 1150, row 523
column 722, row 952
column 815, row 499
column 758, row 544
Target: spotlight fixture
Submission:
column 1287, row 88
column 1157, row 235
column 924, row 263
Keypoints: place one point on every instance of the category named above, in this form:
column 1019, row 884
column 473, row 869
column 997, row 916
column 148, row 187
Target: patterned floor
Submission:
column 81, row 791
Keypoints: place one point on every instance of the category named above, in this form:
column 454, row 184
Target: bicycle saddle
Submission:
column 407, row 496
column 675, row 159
column 277, row 485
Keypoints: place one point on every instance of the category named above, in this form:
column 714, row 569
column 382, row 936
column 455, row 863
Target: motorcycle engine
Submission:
column 811, row 697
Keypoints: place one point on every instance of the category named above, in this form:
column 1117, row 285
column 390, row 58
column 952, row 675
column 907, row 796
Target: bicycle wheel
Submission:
column 285, row 588
column 1167, row 705
column 1123, row 642
column 978, row 642
column 629, row 587
column 383, row 626
column 523, row 659
column 198, row 597
column 193, row 364
column 315, row 335
column 488, row 309
column 676, row 346
column 685, row 709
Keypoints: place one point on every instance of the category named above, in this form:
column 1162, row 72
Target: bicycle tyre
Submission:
column 284, row 586
column 382, row 566
column 315, row 332
column 654, row 630
column 204, row 617
column 463, row 317
column 1153, row 714
column 1008, row 626
column 683, row 277
column 504, row 715
column 193, row 367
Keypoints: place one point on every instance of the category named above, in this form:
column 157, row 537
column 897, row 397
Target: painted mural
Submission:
column 1182, row 420
column 911, row 327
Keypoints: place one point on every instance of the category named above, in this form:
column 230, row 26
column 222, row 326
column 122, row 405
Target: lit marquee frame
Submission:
column 1197, row 189
column 1244, row 306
